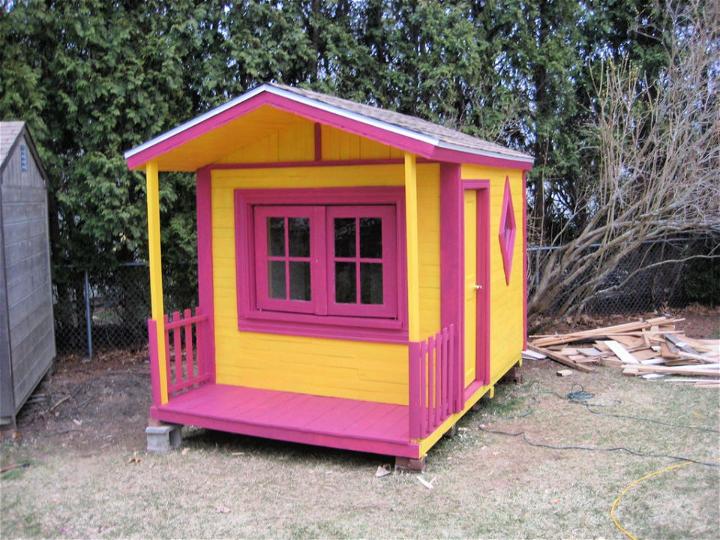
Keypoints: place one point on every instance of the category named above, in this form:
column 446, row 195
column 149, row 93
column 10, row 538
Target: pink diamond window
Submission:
column 508, row 230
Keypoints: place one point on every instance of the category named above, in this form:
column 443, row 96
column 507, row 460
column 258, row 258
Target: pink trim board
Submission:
column 525, row 259
column 452, row 257
column 256, row 314
column 206, row 333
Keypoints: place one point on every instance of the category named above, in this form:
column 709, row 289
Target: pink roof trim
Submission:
column 400, row 131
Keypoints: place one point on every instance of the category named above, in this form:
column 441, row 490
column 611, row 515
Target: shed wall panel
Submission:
column 27, row 294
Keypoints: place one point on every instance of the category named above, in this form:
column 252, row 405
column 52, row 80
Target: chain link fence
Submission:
column 672, row 273
column 100, row 311
column 104, row 310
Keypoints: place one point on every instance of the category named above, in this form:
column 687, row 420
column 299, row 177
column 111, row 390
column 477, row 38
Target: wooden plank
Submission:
column 559, row 358
column 677, row 370
column 532, row 355
column 621, row 352
column 600, row 332
column 679, row 343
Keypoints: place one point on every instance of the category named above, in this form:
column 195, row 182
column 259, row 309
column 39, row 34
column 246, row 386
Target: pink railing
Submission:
column 435, row 382
column 186, row 359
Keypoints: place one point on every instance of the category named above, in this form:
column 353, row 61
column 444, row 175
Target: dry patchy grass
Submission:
column 485, row 485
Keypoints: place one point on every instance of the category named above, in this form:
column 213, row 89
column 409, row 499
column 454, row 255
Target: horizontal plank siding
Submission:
column 26, row 298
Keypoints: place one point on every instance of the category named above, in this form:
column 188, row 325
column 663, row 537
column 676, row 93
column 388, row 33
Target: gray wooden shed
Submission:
column 27, row 336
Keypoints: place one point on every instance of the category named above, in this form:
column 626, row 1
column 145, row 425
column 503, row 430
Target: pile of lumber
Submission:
column 651, row 349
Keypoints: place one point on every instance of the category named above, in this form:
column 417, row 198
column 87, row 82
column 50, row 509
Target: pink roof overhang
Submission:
column 425, row 145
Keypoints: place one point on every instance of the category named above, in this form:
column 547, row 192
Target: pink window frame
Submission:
column 250, row 318
column 387, row 213
column 317, row 279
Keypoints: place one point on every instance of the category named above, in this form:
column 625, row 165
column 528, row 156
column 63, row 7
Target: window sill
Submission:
column 374, row 330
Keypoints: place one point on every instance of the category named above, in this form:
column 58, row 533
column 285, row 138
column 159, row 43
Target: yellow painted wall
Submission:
column 330, row 367
column 506, row 311
column 286, row 137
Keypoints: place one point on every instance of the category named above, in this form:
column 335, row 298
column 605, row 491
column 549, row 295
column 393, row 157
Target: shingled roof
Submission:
column 412, row 123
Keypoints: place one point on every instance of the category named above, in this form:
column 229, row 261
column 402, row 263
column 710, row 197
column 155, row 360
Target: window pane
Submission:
column 299, row 280
column 371, row 238
column 299, row 237
column 276, row 279
column 371, row 283
column 276, row 236
column 345, row 237
column 345, row 291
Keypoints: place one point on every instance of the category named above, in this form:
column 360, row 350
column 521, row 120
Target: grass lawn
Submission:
column 90, row 477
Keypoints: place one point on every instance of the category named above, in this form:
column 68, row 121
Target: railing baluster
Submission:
column 431, row 383
column 423, row 389
column 167, row 352
column 439, row 379
column 154, row 367
column 446, row 363
column 414, row 400
column 189, row 357
column 177, row 345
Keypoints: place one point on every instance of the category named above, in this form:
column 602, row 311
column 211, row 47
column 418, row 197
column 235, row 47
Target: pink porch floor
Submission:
column 323, row 421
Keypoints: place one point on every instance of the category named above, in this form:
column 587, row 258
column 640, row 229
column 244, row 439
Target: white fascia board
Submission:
column 198, row 119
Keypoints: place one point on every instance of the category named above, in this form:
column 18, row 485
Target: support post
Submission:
column 411, row 228
column 156, row 289
column 88, row 316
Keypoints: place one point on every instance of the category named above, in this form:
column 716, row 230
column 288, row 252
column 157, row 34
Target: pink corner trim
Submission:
column 306, row 324
column 314, row 114
column 206, row 332
column 525, row 260
column 452, row 258
column 508, row 230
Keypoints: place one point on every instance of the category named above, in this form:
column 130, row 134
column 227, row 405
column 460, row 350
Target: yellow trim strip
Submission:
column 154, row 256
column 411, row 228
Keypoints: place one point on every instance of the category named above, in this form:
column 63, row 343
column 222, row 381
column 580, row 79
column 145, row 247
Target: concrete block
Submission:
column 409, row 464
column 162, row 439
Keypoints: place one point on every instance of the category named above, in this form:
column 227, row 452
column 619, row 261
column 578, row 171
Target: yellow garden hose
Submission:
column 631, row 485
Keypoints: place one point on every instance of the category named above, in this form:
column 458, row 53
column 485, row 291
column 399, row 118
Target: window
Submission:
column 321, row 258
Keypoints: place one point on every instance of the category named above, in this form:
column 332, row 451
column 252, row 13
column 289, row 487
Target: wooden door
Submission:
column 476, row 293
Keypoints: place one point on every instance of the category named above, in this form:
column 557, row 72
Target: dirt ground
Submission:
column 86, row 474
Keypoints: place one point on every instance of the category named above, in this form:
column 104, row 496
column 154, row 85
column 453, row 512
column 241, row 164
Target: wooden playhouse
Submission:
column 361, row 273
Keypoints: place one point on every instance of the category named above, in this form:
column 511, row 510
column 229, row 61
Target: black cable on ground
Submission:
column 596, row 449
column 582, row 397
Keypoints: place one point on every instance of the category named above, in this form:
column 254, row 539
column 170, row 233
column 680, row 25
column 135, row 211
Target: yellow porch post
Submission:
column 411, row 231
column 156, row 288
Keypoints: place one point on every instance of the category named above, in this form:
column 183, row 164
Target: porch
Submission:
column 194, row 398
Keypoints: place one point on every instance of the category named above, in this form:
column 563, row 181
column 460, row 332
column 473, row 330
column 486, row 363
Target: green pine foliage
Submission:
column 94, row 78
